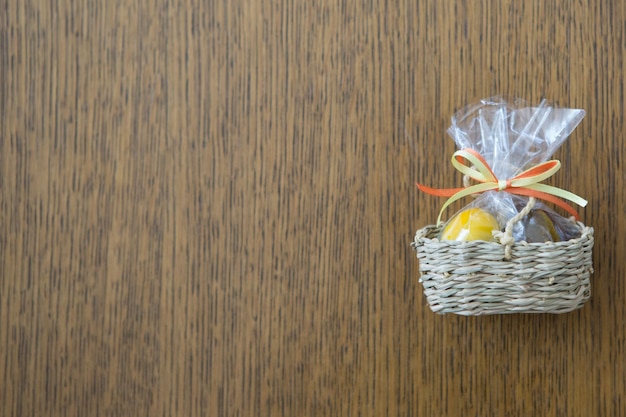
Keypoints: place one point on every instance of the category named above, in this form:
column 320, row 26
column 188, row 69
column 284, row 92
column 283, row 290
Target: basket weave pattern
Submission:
column 474, row 278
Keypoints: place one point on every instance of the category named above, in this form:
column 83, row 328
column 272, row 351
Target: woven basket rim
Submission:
column 426, row 233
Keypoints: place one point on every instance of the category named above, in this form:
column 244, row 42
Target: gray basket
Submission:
column 476, row 278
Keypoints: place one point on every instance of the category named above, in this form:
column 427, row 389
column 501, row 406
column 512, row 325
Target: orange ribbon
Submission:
column 527, row 183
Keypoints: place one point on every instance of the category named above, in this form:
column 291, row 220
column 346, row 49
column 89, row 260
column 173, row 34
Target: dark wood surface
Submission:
column 206, row 207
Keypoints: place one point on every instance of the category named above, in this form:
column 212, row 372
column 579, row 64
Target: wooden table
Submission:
column 206, row 207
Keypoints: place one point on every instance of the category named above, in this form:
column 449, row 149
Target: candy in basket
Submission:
column 507, row 251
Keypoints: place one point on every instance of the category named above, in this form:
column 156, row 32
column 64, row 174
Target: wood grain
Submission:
column 206, row 207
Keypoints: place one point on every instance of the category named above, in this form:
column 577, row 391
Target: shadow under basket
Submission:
column 474, row 278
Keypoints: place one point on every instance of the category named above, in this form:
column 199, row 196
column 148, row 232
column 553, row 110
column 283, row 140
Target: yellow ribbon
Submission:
column 526, row 183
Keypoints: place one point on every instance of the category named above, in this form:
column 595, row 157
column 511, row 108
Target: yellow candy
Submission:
column 471, row 224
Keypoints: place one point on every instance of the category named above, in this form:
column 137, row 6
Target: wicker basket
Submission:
column 476, row 278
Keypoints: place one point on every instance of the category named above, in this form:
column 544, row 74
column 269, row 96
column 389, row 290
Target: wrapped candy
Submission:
column 512, row 264
column 504, row 146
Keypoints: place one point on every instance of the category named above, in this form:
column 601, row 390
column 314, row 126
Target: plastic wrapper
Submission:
column 512, row 137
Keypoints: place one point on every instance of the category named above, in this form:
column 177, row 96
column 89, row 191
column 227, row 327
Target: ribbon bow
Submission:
column 527, row 183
